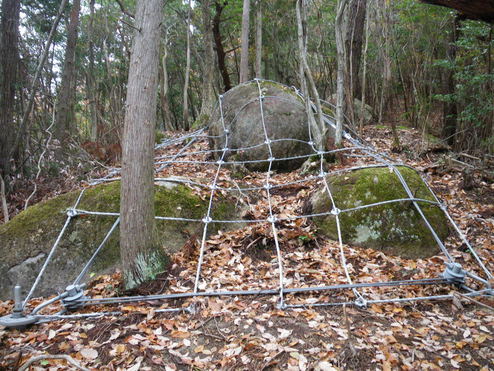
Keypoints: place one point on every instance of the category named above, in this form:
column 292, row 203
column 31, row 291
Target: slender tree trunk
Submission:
column 387, row 70
column 142, row 257
column 165, row 104
column 450, row 110
column 220, row 51
column 208, row 95
column 9, row 76
column 91, row 83
column 258, row 66
column 64, row 123
column 244, row 56
column 319, row 131
column 185, row 111
column 354, row 31
column 364, row 74
column 340, row 83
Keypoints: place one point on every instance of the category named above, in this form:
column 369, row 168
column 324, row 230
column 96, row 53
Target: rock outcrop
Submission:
column 285, row 120
column 394, row 228
column 26, row 240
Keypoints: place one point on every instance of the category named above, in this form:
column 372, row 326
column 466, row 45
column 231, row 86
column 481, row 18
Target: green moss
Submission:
column 201, row 122
column 271, row 84
column 34, row 231
column 159, row 136
column 395, row 227
column 327, row 110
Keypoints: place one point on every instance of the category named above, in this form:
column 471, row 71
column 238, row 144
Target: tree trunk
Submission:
column 9, row 68
column 208, row 95
column 220, row 51
column 165, row 104
column 354, row 30
column 185, row 114
column 64, row 123
column 364, row 74
column 244, row 55
column 319, row 130
column 340, row 82
column 450, row 110
column 142, row 257
column 258, row 67
column 387, row 70
column 91, row 83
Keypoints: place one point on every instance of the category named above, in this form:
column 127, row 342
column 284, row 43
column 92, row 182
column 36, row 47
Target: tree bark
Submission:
column 258, row 67
column 220, row 51
column 90, row 78
column 450, row 110
column 9, row 68
column 185, row 111
column 340, row 82
column 319, row 130
column 354, row 30
column 244, row 55
column 64, row 123
column 208, row 95
column 142, row 257
column 165, row 104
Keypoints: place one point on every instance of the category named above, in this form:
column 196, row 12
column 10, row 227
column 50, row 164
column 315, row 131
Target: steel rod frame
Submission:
column 357, row 148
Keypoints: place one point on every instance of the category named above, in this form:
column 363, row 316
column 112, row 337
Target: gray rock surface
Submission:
column 284, row 116
column 26, row 240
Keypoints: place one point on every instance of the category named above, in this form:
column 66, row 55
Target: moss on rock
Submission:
column 395, row 228
column 27, row 239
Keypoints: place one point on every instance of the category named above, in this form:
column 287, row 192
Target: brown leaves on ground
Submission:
column 250, row 332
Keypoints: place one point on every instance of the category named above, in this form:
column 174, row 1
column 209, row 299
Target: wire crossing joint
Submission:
column 454, row 274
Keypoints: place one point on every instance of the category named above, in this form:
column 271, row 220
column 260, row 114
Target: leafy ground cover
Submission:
column 251, row 332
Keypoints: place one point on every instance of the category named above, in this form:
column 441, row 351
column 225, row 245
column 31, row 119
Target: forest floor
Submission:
column 251, row 332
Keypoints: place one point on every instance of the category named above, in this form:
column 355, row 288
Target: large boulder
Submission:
column 394, row 228
column 26, row 240
column 285, row 118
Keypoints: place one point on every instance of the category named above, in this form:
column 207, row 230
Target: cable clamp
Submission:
column 226, row 149
column 213, row 187
column 322, row 174
column 320, row 153
column 72, row 212
column 271, row 219
column 74, row 297
column 335, row 211
column 226, row 131
column 311, row 143
column 267, row 141
column 271, row 159
column 220, row 162
column 207, row 220
column 443, row 206
column 454, row 273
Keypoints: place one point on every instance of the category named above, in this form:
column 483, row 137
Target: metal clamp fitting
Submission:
column 73, row 300
column 17, row 319
column 454, row 273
